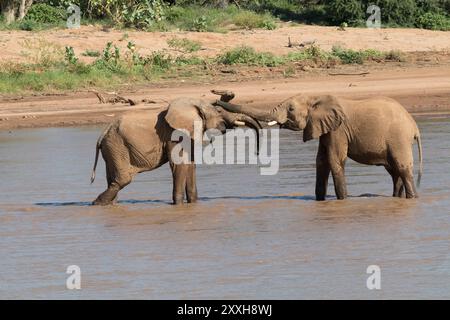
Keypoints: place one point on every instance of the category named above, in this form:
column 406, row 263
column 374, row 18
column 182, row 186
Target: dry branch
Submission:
column 113, row 98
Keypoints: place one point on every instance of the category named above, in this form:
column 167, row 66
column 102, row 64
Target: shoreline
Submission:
column 422, row 90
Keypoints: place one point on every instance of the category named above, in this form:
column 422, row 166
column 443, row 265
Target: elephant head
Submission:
column 315, row 115
column 183, row 112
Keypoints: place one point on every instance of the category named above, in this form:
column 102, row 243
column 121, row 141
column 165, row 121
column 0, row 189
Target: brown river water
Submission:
column 249, row 236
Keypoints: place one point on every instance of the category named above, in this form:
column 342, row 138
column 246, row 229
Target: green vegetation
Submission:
column 184, row 45
column 248, row 56
column 52, row 68
column 201, row 16
column 91, row 53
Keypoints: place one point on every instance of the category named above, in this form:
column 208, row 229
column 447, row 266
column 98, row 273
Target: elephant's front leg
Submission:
column 337, row 148
column 179, row 175
column 191, row 184
column 322, row 173
column 340, row 186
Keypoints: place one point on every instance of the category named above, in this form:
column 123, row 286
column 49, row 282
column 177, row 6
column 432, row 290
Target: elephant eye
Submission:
column 291, row 108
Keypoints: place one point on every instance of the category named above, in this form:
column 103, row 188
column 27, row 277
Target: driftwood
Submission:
column 113, row 98
column 348, row 74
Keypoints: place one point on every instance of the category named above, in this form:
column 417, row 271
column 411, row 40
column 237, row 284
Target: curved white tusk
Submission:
column 272, row 123
column 239, row 123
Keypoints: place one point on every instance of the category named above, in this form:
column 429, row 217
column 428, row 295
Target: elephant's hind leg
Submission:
column 397, row 182
column 403, row 164
column 116, row 182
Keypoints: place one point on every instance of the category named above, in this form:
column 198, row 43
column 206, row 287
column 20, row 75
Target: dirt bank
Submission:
column 421, row 90
column 21, row 45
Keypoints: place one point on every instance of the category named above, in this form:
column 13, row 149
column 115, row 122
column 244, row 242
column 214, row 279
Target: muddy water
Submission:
column 250, row 236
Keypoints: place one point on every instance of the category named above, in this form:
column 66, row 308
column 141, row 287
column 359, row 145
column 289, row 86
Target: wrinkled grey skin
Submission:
column 141, row 141
column 376, row 131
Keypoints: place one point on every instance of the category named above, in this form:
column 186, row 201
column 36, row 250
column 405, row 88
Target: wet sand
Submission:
column 250, row 236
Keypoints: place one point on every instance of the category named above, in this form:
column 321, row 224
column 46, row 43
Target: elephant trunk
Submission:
column 251, row 123
column 267, row 116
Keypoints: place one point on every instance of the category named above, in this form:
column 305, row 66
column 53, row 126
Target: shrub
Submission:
column 251, row 20
column 28, row 25
column 70, row 56
column 199, row 24
column 43, row 13
column 184, row 45
column 345, row 11
column 397, row 12
column 433, row 21
column 349, row 56
column 129, row 13
column 248, row 55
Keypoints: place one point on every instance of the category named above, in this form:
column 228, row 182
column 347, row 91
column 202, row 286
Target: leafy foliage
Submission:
column 44, row 13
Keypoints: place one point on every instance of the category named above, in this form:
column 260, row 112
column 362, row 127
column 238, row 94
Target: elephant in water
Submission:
column 375, row 131
column 142, row 141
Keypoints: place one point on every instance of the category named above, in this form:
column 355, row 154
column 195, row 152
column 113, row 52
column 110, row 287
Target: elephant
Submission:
column 141, row 141
column 375, row 131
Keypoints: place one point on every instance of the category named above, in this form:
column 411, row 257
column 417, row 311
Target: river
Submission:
column 249, row 236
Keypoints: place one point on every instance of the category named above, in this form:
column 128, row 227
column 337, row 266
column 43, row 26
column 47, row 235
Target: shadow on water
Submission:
column 205, row 199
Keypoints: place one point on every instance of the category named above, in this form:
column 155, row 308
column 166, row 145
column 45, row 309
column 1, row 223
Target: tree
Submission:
column 13, row 10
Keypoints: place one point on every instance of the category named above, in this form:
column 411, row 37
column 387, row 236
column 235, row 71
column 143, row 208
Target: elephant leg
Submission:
column 336, row 148
column 322, row 173
column 397, row 182
column 179, row 175
column 402, row 161
column 191, row 184
column 407, row 177
column 117, row 180
column 340, row 185
column 109, row 196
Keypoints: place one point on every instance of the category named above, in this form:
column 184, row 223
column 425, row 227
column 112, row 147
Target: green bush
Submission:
column 129, row 13
column 28, row 25
column 397, row 12
column 433, row 21
column 348, row 11
column 184, row 45
column 44, row 13
column 349, row 56
column 248, row 56
column 251, row 20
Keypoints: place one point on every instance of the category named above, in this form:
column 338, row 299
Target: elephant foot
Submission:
column 101, row 202
column 192, row 199
column 178, row 201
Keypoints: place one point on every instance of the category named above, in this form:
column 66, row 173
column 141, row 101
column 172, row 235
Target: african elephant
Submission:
column 375, row 131
column 142, row 141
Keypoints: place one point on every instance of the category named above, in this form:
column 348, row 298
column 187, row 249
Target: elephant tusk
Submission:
column 272, row 123
column 239, row 123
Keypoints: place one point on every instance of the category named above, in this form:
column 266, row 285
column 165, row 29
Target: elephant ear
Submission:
column 183, row 113
column 324, row 115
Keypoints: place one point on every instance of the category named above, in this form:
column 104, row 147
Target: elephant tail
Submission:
column 419, row 145
column 97, row 151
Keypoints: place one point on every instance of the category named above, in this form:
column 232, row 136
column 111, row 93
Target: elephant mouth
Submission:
column 289, row 124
